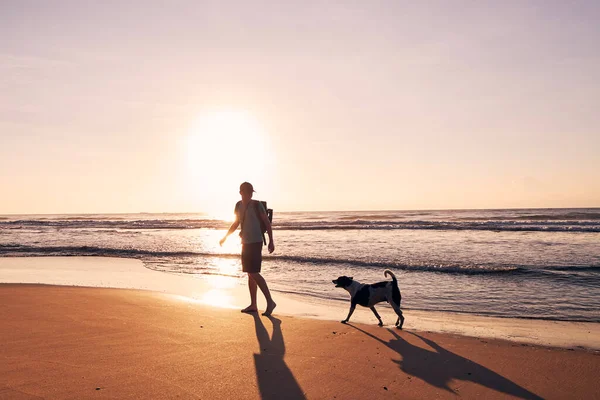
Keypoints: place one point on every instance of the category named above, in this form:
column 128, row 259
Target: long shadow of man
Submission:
column 440, row 366
column 275, row 380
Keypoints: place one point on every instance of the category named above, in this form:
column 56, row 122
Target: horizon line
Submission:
column 316, row 211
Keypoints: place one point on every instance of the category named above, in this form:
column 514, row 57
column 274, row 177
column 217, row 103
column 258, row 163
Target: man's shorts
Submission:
column 251, row 257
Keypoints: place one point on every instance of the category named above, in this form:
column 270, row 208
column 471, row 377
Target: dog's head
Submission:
column 343, row 281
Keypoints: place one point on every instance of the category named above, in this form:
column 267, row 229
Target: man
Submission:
column 249, row 213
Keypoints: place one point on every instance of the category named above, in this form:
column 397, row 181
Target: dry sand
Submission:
column 81, row 343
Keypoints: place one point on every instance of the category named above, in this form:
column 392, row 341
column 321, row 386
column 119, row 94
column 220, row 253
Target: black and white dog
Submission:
column 368, row 295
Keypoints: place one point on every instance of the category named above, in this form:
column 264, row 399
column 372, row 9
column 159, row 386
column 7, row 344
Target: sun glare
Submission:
column 220, row 287
column 224, row 149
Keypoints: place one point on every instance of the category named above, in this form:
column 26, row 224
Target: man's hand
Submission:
column 222, row 241
column 271, row 246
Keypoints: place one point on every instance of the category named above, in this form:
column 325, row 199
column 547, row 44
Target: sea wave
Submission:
column 15, row 249
column 178, row 257
column 577, row 268
column 116, row 223
column 354, row 224
column 510, row 226
column 566, row 216
column 460, row 269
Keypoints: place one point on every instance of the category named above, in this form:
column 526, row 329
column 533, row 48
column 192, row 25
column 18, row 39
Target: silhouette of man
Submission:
column 249, row 213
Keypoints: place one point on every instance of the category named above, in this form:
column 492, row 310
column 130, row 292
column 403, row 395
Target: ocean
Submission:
column 522, row 263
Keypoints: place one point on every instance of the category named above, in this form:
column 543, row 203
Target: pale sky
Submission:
column 155, row 106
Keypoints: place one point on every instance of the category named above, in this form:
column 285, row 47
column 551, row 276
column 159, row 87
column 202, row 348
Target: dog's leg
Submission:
column 401, row 319
column 377, row 315
column 399, row 313
column 352, row 307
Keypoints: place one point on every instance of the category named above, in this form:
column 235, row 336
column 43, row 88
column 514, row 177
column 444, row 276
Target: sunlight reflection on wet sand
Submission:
column 218, row 298
column 221, row 286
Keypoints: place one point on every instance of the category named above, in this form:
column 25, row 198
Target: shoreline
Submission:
column 230, row 293
column 76, row 342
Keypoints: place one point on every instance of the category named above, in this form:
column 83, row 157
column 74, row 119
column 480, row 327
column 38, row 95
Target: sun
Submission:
column 223, row 149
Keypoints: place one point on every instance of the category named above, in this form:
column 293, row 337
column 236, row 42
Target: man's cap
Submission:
column 246, row 186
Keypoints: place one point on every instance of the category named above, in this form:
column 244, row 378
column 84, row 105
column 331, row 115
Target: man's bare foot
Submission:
column 250, row 309
column 269, row 310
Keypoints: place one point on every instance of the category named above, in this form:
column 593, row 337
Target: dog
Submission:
column 368, row 295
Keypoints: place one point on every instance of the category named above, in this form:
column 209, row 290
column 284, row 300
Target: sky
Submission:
column 153, row 106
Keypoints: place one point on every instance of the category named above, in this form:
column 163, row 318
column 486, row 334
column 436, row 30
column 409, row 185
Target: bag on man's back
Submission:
column 263, row 227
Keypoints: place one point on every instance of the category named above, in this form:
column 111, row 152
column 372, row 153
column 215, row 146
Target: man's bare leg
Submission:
column 252, row 289
column 262, row 284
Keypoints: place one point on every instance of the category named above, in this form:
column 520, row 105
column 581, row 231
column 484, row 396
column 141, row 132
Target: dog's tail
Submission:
column 390, row 273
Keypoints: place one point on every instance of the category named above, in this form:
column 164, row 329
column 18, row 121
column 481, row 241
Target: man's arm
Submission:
column 232, row 229
column 265, row 220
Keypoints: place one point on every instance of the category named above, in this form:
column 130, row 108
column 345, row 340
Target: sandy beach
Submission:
column 73, row 342
column 232, row 293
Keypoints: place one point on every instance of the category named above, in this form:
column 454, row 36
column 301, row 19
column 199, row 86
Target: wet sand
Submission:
column 75, row 342
column 232, row 293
